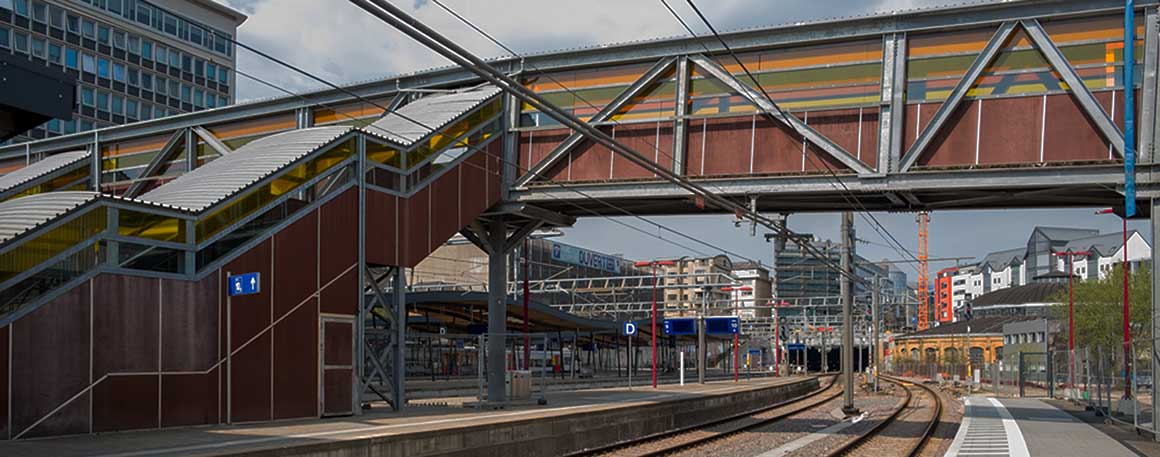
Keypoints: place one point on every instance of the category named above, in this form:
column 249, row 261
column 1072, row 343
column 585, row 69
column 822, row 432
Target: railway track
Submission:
column 685, row 438
column 914, row 421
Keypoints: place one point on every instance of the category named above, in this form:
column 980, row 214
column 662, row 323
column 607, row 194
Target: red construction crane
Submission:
column 923, row 272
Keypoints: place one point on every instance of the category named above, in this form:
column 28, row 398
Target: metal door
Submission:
column 336, row 356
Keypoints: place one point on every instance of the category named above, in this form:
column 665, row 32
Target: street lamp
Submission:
column 1127, row 330
column 653, row 328
column 736, row 313
column 1070, row 313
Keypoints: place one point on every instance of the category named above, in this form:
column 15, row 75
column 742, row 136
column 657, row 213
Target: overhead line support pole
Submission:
column 847, row 312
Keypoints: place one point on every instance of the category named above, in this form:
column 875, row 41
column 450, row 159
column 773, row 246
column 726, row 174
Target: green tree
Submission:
column 1099, row 309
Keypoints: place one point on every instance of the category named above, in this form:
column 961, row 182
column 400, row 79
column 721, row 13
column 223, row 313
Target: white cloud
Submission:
column 339, row 42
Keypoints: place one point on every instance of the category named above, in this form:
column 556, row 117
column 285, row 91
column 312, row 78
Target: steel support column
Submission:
column 360, row 355
column 399, row 358
column 304, row 117
column 1155, row 312
column 190, row 150
column 681, row 124
column 511, row 143
column 496, row 310
column 847, row 288
column 95, row 162
column 893, row 102
column 875, row 303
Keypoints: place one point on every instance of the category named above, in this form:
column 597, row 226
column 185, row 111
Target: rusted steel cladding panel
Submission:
column 250, row 314
column 339, row 235
column 444, row 208
column 917, row 117
column 473, row 187
column 1011, row 130
column 535, row 145
column 494, row 156
column 296, row 363
column 250, row 381
column 126, row 325
column 727, row 145
column 776, row 149
column 590, row 161
column 338, row 349
column 416, row 224
column 341, row 295
column 191, row 399
column 653, row 140
column 957, row 140
column 296, row 260
column 337, row 392
column 855, row 130
column 125, row 403
column 190, row 324
column 41, row 383
column 1069, row 135
column 381, row 231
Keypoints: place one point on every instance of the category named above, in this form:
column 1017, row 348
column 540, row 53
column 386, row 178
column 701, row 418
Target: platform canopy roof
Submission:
column 40, row 168
column 26, row 213
column 222, row 177
column 420, row 118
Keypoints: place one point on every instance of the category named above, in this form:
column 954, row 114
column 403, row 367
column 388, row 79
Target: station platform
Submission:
column 571, row 421
column 1021, row 427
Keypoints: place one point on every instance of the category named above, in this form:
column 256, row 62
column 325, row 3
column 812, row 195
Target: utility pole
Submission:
column 875, row 303
column 847, row 290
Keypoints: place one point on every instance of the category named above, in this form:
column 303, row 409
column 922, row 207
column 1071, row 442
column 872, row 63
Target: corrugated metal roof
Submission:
column 26, row 213
column 434, row 111
column 37, row 169
column 1036, row 292
column 1105, row 245
column 1002, row 259
column 214, row 181
column 1065, row 234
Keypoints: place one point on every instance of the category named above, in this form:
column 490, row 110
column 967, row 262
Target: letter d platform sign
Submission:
column 629, row 328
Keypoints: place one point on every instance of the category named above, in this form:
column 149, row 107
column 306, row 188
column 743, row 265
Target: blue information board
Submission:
column 629, row 328
column 795, row 347
column 722, row 325
column 686, row 326
column 244, row 284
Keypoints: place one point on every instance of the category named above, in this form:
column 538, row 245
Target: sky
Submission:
column 340, row 43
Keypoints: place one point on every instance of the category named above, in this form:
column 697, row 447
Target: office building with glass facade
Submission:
column 134, row 60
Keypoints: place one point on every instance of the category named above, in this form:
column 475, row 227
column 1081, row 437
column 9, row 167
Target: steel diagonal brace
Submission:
column 163, row 156
column 770, row 109
column 1082, row 95
column 990, row 51
column 645, row 81
column 212, row 141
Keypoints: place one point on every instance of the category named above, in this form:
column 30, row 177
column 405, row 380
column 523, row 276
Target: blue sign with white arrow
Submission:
column 244, row 284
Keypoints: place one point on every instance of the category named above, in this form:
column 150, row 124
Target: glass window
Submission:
column 198, row 67
column 146, row 111
column 115, row 6
column 147, row 49
column 22, row 7
column 146, row 81
column 103, row 33
column 89, row 29
column 170, row 24
column 134, row 77
column 55, row 16
column 85, row 125
column 199, row 98
column 186, row 96
column 118, row 104
column 174, row 88
column 162, row 86
column 53, row 126
column 210, row 101
column 38, row 47
column 54, row 53
column 144, row 12
column 210, row 70
column 118, row 72
column 70, row 58
column 73, row 22
column 134, row 44
column 119, row 39
column 187, row 63
column 131, row 108
column 88, row 64
column 103, row 101
column 224, row 75
column 5, row 40
column 219, row 44
column 39, row 12
column 6, row 4
column 102, row 67
column 70, row 126
column 182, row 29
column 162, row 54
column 196, row 34
column 223, row 101
column 174, row 59
column 88, row 98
